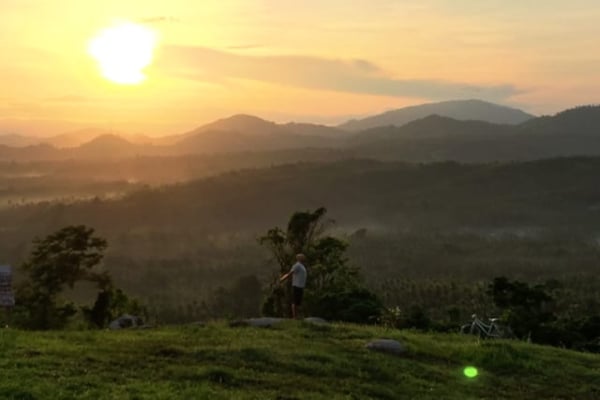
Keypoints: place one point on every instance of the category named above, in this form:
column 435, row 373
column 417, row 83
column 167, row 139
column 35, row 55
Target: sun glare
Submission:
column 123, row 51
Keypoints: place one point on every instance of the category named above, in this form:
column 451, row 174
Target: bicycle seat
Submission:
column 494, row 319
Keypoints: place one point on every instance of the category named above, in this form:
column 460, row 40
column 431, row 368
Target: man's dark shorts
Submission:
column 298, row 294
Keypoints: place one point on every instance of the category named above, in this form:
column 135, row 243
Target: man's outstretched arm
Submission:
column 285, row 276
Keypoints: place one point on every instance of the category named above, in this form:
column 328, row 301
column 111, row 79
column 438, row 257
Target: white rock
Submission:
column 264, row 322
column 387, row 346
column 316, row 321
column 126, row 321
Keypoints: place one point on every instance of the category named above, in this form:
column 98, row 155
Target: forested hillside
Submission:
column 176, row 244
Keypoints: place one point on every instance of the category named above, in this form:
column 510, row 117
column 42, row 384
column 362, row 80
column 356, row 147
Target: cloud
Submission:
column 352, row 76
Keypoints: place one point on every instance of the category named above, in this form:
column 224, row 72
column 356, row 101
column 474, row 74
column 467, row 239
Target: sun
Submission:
column 123, row 51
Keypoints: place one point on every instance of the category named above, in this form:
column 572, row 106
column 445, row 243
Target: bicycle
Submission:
column 491, row 330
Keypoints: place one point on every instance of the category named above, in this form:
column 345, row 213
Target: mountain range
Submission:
column 431, row 138
column 247, row 124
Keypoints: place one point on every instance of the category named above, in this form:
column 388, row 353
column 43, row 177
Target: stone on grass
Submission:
column 127, row 321
column 265, row 322
column 316, row 321
column 387, row 346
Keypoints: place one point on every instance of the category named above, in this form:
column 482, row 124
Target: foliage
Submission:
column 57, row 262
column 531, row 313
column 415, row 317
column 111, row 303
column 525, row 309
column 357, row 305
column 241, row 300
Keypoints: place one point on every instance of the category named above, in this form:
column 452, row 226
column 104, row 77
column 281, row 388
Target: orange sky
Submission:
column 310, row 60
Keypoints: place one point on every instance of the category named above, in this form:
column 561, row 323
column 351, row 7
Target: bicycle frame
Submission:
column 491, row 330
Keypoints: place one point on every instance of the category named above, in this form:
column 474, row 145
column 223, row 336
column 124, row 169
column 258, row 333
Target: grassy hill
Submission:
column 292, row 361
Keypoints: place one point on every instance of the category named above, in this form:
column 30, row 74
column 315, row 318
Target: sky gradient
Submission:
column 321, row 61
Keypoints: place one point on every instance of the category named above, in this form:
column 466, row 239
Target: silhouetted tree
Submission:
column 525, row 308
column 60, row 261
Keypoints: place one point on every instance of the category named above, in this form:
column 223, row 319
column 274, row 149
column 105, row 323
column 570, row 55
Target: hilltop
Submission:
column 291, row 361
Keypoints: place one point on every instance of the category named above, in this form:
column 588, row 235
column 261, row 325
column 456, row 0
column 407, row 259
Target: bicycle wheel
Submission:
column 501, row 332
column 465, row 329
column 477, row 331
column 506, row 332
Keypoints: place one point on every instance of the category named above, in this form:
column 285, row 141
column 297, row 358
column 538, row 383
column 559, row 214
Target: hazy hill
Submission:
column 433, row 126
column 69, row 139
column 74, row 138
column 234, row 141
column 561, row 193
column 314, row 130
column 14, row 140
column 456, row 109
column 435, row 138
column 536, row 219
column 252, row 125
column 106, row 146
column 246, row 132
column 242, row 133
column 30, row 153
column 579, row 121
column 242, row 123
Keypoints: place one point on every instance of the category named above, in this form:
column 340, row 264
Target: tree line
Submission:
column 552, row 312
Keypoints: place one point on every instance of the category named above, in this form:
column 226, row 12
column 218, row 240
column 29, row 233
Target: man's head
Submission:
column 300, row 257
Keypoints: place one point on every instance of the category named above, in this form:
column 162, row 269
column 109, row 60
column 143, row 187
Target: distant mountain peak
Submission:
column 244, row 118
column 107, row 139
column 471, row 109
column 589, row 110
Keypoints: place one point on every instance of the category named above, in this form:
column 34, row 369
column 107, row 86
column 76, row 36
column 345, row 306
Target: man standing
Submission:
column 298, row 272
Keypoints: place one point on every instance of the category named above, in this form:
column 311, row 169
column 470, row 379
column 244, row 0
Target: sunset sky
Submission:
column 310, row 60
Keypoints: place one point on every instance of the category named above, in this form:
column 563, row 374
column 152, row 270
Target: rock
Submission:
column 127, row 321
column 316, row 321
column 265, row 322
column 237, row 323
column 387, row 346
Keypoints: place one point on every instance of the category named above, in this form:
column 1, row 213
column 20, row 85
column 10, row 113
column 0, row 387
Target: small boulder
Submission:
column 265, row 322
column 387, row 346
column 316, row 321
column 126, row 321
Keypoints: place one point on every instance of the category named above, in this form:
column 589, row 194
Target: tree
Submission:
column 111, row 303
column 527, row 309
column 334, row 288
column 59, row 261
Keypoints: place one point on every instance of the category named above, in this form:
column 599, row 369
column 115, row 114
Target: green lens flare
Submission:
column 471, row 372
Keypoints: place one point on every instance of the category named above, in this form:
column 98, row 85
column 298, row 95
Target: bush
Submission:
column 355, row 305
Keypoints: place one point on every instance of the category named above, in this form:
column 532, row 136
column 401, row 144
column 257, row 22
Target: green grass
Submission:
column 291, row 361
